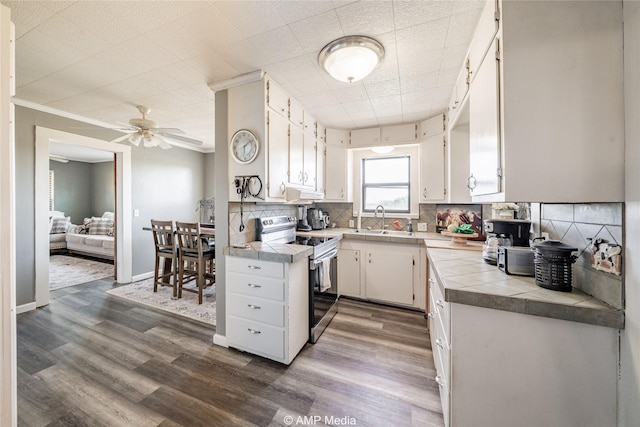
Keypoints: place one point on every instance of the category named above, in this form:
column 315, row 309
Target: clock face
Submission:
column 244, row 146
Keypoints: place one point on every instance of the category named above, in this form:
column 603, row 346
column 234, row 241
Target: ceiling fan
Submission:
column 147, row 131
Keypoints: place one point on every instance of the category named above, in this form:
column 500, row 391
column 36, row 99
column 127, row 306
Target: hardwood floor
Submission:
column 90, row 359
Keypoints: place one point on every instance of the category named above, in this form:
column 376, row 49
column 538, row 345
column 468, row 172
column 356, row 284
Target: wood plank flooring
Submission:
column 90, row 359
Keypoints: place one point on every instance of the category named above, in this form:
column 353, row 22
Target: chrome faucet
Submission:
column 375, row 213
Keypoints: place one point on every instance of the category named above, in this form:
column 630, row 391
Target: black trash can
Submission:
column 553, row 265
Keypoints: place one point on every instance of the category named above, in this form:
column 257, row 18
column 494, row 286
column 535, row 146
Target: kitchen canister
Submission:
column 553, row 264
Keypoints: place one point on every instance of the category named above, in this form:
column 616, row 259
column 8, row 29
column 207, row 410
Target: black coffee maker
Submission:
column 504, row 232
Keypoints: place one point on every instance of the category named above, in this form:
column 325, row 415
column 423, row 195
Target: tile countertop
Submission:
column 275, row 252
column 465, row 278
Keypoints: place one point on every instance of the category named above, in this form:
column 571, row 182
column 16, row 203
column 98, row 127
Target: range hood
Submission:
column 301, row 195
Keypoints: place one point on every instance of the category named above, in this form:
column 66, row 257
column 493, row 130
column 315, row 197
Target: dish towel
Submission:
column 326, row 276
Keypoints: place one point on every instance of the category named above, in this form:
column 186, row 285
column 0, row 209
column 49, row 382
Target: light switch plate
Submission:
column 422, row 226
column 351, row 223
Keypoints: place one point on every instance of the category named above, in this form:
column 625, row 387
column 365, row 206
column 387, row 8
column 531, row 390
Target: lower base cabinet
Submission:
column 267, row 307
column 498, row 368
column 382, row 272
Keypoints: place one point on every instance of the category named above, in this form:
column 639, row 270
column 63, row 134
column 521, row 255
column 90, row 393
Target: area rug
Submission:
column 187, row 306
column 67, row 271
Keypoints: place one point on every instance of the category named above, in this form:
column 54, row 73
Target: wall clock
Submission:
column 244, row 146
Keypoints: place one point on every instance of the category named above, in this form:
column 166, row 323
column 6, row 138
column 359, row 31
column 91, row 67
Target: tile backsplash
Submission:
column 576, row 224
column 251, row 211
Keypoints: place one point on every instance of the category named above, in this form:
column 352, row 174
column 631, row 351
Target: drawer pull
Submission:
column 439, row 342
column 439, row 381
column 433, row 282
column 431, row 315
column 254, row 267
column 253, row 285
column 253, row 331
column 439, row 303
column 254, row 307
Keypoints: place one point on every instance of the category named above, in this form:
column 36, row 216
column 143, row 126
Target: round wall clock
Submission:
column 244, row 146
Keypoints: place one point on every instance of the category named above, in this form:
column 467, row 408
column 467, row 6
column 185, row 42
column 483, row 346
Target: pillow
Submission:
column 100, row 226
column 84, row 228
column 59, row 225
column 108, row 215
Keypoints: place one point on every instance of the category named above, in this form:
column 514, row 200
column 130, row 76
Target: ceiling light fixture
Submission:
column 351, row 58
column 383, row 149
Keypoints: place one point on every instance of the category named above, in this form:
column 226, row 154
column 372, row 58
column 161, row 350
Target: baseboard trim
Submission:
column 142, row 276
column 220, row 340
column 25, row 307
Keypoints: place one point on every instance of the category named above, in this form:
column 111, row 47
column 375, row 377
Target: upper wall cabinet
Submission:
column 296, row 113
column 277, row 99
column 432, row 126
column 485, row 32
column 365, row 137
column 559, row 135
column 337, row 137
column 459, row 92
column 399, row 133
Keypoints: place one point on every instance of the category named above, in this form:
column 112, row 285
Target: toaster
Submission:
column 516, row 260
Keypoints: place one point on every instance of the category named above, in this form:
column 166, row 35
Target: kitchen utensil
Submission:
column 553, row 265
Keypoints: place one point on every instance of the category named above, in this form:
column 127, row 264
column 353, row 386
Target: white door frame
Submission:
column 123, row 204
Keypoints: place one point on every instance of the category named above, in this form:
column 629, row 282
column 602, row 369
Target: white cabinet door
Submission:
column 484, row 127
column 349, row 273
column 389, row 276
column 309, row 124
column 432, row 169
column 336, row 174
column 296, row 155
column 321, row 133
column 277, row 99
column 320, row 165
column 399, row 133
column 309, row 160
column 485, row 32
column 278, row 148
column 432, row 127
column 338, row 137
column 365, row 137
column 296, row 113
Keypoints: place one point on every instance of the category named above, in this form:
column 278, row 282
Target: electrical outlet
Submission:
column 422, row 226
column 545, row 235
column 351, row 223
column 136, row 212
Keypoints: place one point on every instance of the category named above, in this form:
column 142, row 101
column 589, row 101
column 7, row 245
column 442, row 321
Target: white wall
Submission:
column 629, row 386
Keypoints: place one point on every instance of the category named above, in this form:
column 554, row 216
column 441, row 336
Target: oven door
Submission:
column 322, row 304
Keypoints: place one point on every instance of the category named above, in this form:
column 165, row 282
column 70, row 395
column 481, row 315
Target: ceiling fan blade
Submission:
column 57, row 158
column 163, row 143
column 180, row 138
column 121, row 138
column 174, row 131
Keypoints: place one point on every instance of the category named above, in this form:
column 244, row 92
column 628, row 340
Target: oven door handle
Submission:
column 314, row 262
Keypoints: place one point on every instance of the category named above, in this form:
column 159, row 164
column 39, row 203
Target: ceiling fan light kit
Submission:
column 351, row 58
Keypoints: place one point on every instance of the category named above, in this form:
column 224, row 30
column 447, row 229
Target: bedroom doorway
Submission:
column 81, row 214
column 122, row 224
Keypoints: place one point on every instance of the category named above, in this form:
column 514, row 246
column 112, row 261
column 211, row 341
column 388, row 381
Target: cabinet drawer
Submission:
column 255, row 337
column 259, row 309
column 256, row 286
column 255, row 266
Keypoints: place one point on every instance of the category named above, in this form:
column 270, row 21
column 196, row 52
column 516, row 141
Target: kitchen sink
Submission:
column 382, row 232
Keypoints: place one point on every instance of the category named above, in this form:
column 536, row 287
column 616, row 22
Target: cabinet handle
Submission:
column 342, row 194
column 300, row 176
column 282, row 187
column 369, row 257
column 253, row 331
column 439, row 381
column 254, row 267
column 439, row 343
column 431, row 315
column 253, row 285
column 254, row 307
column 356, row 255
column 425, row 193
column 439, row 303
column 471, row 182
column 306, row 177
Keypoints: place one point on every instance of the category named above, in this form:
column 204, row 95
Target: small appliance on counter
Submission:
column 553, row 265
column 315, row 218
column 303, row 224
column 516, row 260
column 504, row 233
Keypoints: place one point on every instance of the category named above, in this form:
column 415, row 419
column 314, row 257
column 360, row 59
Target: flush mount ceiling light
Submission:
column 382, row 150
column 351, row 58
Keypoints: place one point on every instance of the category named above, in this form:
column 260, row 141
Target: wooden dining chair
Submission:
column 197, row 259
column 166, row 267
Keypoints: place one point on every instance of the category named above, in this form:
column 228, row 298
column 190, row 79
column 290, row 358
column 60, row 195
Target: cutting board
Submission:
column 448, row 244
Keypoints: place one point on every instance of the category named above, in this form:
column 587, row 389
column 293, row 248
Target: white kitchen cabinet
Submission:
column 337, row 174
column 277, row 128
column 396, row 134
column 458, row 157
column 309, row 157
column 277, row 99
column 389, row 274
column 309, row 124
column 484, row 127
column 320, row 164
column 536, row 370
column 349, row 266
column 296, row 113
column 296, row 155
column 321, row 133
column 337, row 137
column 365, row 137
column 267, row 307
column 459, row 92
column 483, row 36
column 432, row 169
column 561, row 117
column 432, row 126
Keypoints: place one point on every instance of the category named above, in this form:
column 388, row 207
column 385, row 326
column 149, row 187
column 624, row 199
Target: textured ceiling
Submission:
column 99, row 59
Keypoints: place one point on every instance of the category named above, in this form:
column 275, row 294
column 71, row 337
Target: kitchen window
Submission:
column 386, row 182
